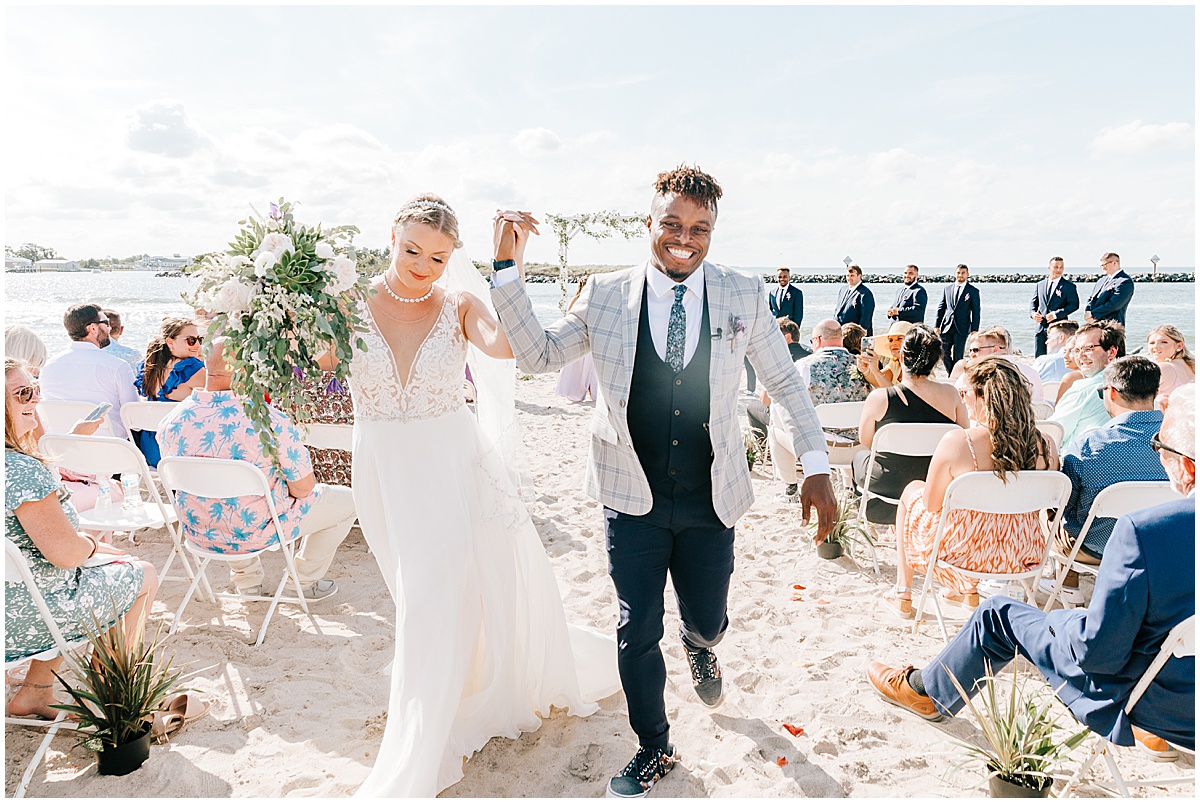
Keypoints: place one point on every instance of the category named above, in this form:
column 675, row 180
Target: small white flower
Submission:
column 277, row 244
column 239, row 261
column 345, row 274
column 324, row 250
column 263, row 262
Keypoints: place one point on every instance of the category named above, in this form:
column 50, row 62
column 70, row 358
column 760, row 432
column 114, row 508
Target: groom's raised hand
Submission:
column 511, row 230
column 817, row 492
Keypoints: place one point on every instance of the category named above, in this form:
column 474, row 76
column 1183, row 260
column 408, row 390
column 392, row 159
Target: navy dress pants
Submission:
column 953, row 347
column 683, row 536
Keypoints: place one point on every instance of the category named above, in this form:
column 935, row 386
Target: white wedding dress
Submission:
column 482, row 643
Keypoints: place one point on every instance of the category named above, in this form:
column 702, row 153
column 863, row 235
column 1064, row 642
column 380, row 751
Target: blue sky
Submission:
column 934, row 135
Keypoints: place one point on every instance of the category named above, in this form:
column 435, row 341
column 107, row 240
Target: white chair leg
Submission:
column 921, row 601
column 1060, row 576
column 1116, row 773
column 188, row 596
column 262, row 631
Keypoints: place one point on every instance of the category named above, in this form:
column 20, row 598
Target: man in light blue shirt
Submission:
column 1051, row 367
column 129, row 355
column 1081, row 407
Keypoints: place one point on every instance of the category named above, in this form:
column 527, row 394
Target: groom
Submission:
column 667, row 460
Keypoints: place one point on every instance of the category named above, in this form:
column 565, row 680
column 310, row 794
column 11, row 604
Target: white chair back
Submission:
column 94, row 454
column 1180, row 643
column 1043, row 409
column 59, row 415
column 1122, row 498
column 914, row 440
column 1050, row 389
column 840, row 415
column 145, row 415
column 1020, row 492
column 329, row 436
column 1052, row 430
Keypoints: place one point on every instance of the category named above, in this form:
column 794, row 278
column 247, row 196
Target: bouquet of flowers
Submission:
column 284, row 294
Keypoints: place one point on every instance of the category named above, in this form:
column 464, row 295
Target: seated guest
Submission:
column 995, row 341
column 1093, row 657
column 85, row 373
column 1080, row 408
column 1051, row 366
column 324, row 512
column 791, row 333
column 1072, row 375
column 171, row 370
column 115, row 347
column 44, row 525
column 1119, row 451
column 880, row 363
column 1007, row 440
column 916, row 400
column 22, row 343
column 831, row 373
column 852, row 338
column 1167, row 347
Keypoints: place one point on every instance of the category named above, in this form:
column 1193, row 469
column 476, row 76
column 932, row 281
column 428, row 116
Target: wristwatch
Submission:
column 501, row 264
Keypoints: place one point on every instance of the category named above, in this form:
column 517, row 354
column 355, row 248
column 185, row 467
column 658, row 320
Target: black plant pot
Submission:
column 125, row 758
column 1000, row 787
column 829, row 550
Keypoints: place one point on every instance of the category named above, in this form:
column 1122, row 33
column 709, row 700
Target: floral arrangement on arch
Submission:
column 284, row 294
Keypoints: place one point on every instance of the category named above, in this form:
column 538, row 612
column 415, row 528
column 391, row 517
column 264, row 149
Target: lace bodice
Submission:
column 434, row 385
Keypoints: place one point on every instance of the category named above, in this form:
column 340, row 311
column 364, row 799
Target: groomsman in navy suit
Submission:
column 957, row 316
column 1054, row 299
column 787, row 301
column 855, row 302
column 1112, row 294
column 911, row 300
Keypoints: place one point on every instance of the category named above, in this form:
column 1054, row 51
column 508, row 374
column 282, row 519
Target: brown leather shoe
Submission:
column 892, row 685
column 1153, row 746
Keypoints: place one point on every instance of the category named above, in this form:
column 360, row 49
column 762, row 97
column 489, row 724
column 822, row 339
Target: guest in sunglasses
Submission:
column 171, row 370
column 85, row 372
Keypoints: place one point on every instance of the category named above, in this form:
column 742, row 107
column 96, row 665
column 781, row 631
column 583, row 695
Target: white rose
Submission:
column 232, row 298
column 263, row 262
column 345, row 274
column 239, row 261
column 277, row 244
column 324, row 250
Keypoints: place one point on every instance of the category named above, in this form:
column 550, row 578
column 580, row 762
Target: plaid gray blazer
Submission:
column 605, row 320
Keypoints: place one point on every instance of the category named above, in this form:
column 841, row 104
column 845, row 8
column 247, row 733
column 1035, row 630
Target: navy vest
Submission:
column 668, row 412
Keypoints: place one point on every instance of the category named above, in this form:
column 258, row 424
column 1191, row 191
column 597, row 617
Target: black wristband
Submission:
column 501, row 264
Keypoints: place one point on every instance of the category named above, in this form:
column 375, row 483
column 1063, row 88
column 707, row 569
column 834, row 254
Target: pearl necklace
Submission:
column 402, row 299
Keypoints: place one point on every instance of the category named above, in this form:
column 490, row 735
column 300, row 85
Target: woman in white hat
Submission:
column 880, row 365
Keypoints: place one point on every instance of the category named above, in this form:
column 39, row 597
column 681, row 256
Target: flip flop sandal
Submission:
column 175, row 712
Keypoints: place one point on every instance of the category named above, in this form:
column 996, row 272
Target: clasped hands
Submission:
column 510, row 234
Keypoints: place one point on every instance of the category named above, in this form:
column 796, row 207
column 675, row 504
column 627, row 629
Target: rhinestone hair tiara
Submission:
column 434, row 204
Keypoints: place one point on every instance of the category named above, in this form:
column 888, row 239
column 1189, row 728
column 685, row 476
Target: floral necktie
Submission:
column 677, row 331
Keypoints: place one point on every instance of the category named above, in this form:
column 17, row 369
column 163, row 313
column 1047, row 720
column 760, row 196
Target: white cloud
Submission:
column 532, row 141
column 1139, row 137
column 163, row 127
column 895, row 165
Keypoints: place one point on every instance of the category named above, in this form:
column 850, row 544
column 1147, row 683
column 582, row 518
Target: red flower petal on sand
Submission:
column 781, row 761
column 798, row 587
column 823, row 601
column 797, row 598
column 792, row 729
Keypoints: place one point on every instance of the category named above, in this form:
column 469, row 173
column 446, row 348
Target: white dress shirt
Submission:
column 85, row 373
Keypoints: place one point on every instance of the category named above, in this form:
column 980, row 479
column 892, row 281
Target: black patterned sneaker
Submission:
column 706, row 675
column 648, row 766
column 791, row 493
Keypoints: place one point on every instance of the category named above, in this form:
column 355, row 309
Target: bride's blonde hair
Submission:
column 431, row 210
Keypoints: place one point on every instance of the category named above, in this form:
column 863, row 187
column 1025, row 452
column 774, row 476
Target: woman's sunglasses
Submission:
column 192, row 340
column 28, row 393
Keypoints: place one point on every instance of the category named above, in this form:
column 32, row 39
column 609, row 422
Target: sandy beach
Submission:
column 303, row 714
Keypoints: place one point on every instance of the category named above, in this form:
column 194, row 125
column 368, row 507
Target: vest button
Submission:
column 678, row 381
column 672, row 472
column 676, row 412
column 674, row 443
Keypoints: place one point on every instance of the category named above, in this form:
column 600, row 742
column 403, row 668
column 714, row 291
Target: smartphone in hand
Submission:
column 98, row 412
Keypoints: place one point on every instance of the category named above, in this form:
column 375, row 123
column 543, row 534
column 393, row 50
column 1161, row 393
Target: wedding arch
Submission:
column 597, row 225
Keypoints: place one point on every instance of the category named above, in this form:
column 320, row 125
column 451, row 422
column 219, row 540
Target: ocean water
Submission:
column 39, row 300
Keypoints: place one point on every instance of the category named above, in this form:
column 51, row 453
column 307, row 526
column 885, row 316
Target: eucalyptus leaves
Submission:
column 284, row 294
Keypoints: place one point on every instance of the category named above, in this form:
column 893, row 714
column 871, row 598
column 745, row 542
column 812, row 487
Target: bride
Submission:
column 482, row 643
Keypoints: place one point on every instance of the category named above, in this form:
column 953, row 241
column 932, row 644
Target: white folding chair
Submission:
column 104, row 457
column 841, row 415
column 913, row 440
column 1113, row 502
column 146, row 416
column 329, row 436
column 1180, row 643
column 219, row 478
column 1022, row 492
column 1053, row 430
column 1043, row 409
column 59, row 415
column 17, row 572
column 1050, row 390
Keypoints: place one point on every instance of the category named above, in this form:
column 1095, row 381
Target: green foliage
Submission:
column 283, row 307
column 848, row 529
column 120, row 686
column 754, row 447
column 1019, row 730
column 598, row 225
column 31, row 251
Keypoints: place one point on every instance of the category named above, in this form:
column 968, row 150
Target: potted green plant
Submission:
column 754, row 447
column 848, row 531
column 116, row 693
column 1020, row 744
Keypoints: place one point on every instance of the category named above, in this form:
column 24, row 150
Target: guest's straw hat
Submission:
column 901, row 328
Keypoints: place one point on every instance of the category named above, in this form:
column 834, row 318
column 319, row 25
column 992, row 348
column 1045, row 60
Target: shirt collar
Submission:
column 81, row 345
column 207, row 396
column 1138, row 417
column 661, row 286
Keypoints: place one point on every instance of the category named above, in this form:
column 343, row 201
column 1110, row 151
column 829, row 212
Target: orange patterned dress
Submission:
column 981, row 542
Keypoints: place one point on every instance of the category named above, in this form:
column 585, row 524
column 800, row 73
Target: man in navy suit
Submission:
column 787, row 301
column 911, row 300
column 1054, row 299
column 1112, row 294
column 957, row 316
column 855, row 302
column 1094, row 656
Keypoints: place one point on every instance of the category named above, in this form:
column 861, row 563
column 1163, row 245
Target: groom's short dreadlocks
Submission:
column 690, row 182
